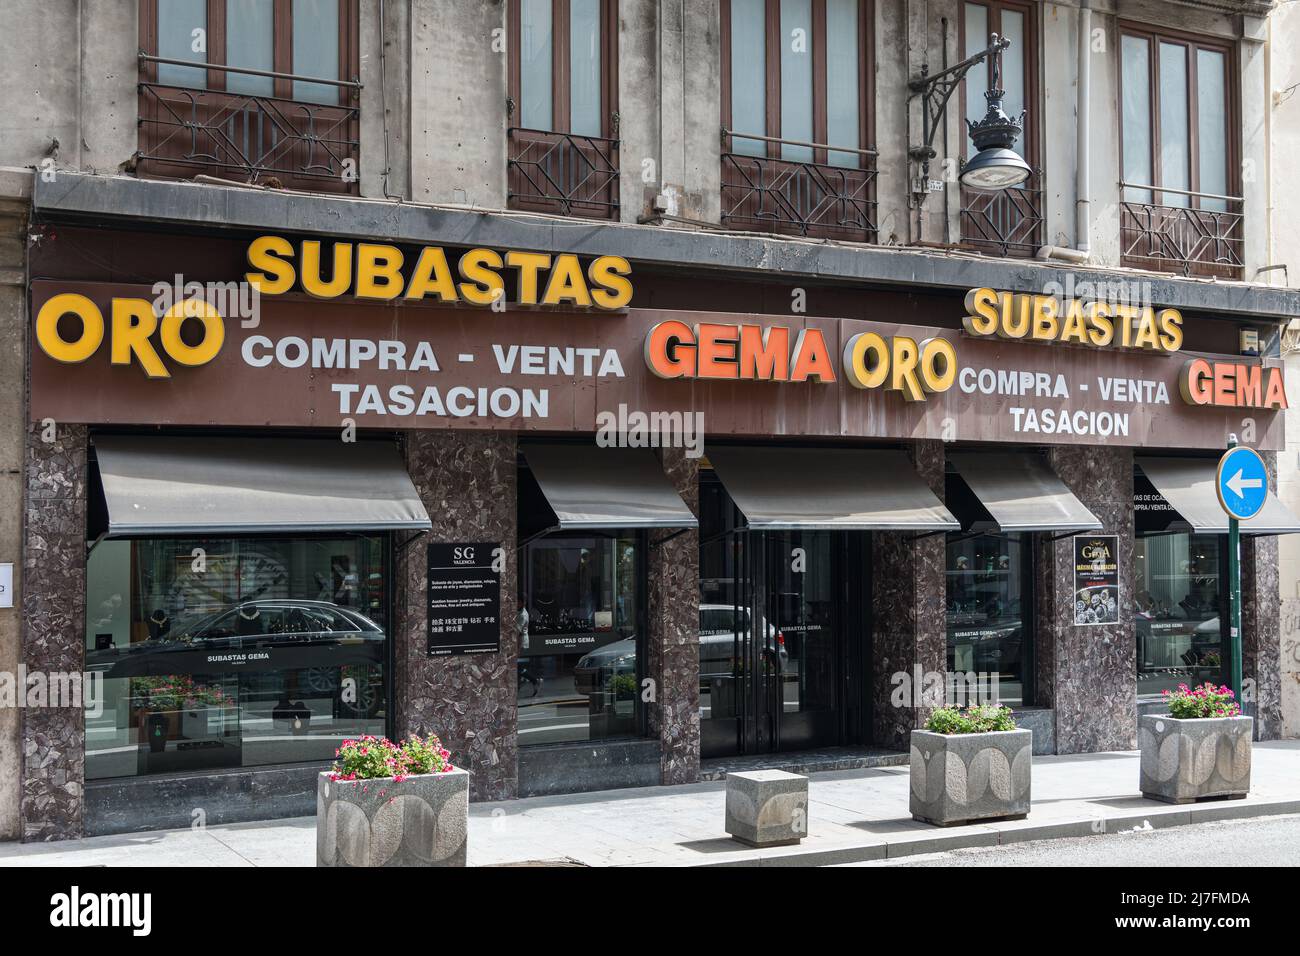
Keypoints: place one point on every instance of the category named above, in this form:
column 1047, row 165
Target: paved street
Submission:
column 854, row 816
column 1270, row 841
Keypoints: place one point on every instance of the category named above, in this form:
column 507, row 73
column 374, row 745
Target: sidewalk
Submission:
column 854, row 815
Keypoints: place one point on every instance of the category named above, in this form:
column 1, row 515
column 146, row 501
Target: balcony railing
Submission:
column 812, row 199
column 256, row 139
column 1004, row 223
column 563, row 173
column 1204, row 237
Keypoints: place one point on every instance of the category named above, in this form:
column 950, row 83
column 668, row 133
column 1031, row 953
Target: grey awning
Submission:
column 1188, row 485
column 1022, row 493
column 155, row 485
column 808, row 489
column 592, row 487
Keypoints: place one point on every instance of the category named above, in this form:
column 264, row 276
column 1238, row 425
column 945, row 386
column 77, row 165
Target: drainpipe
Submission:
column 1083, row 109
column 1082, row 191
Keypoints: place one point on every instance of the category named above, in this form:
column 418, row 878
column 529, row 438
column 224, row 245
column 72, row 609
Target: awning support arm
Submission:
column 533, row 537
column 722, row 534
column 93, row 544
column 654, row 543
column 407, row 543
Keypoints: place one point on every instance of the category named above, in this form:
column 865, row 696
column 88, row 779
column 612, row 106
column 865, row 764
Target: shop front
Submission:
column 487, row 493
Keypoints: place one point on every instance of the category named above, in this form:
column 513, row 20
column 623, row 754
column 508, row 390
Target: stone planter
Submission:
column 957, row 778
column 1184, row 760
column 421, row 821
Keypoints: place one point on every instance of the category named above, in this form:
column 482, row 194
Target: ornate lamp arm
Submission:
column 935, row 92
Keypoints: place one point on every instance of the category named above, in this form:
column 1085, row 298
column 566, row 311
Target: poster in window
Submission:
column 464, row 600
column 1096, row 579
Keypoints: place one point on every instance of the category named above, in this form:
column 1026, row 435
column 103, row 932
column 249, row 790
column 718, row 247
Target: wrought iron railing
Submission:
column 814, row 199
column 563, row 173
column 256, row 139
column 1005, row 223
column 1195, row 239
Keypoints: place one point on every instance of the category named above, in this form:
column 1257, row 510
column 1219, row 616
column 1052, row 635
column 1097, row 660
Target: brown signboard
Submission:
column 325, row 364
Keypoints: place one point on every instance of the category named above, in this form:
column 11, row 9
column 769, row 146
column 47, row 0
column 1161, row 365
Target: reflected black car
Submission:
column 255, row 636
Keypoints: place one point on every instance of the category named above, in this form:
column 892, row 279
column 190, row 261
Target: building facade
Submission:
column 618, row 388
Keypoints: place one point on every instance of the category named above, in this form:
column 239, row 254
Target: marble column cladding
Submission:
column 1261, row 614
column 673, row 650
column 907, row 606
column 467, row 481
column 1092, row 670
column 53, row 628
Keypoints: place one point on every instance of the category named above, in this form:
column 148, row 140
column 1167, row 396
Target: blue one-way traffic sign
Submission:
column 1242, row 483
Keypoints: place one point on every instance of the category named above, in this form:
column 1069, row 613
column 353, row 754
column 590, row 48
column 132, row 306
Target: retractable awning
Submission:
column 589, row 487
column 809, row 489
column 155, row 485
column 1021, row 493
column 1187, row 484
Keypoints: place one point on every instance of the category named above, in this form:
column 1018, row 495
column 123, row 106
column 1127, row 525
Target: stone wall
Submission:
column 15, row 202
column 1088, row 675
column 908, row 601
column 673, row 650
column 1261, row 612
column 54, row 620
column 467, row 482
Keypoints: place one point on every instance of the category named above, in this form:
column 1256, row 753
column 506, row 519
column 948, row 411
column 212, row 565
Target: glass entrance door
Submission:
column 777, row 649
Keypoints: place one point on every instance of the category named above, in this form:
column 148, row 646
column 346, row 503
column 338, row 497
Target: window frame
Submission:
column 281, row 47
column 772, row 72
column 388, row 549
column 1223, row 601
column 561, row 67
column 1028, row 542
column 1153, row 36
column 1000, row 206
column 994, row 9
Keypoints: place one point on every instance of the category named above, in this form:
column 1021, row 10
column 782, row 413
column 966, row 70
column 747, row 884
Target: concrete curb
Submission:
column 914, row 843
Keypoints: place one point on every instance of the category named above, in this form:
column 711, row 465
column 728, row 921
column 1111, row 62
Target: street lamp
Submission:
column 996, row 165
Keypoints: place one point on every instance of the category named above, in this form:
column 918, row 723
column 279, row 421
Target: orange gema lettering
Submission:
column 1232, row 384
column 712, row 350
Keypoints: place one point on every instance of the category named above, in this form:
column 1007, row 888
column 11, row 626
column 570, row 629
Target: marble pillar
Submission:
column 908, row 623
column 467, row 481
column 1261, row 614
column 53, row 629
column 1088, row 675
column 673, row 647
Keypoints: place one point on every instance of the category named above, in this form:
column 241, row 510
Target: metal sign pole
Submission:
column 1234, row 607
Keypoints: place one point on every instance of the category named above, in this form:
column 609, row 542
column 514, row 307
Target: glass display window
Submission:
column 234, row 652
column 989, row 618
column 580, row 637
column 1178, row 603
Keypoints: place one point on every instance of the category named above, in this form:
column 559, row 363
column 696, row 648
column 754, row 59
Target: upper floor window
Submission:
column 299, row 38
column 797, row 84
column 273, row 97
column 1008, row 222
column 563, row 105
column 1178, row 110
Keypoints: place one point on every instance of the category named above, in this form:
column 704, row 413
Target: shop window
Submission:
column 580, row 638
column 563, row 135
column 234, row 652
column 990, row 618
column 1178, row 600
column 1008, row 222
column 275, row 94
column 1178, row 154
column 796, row 99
